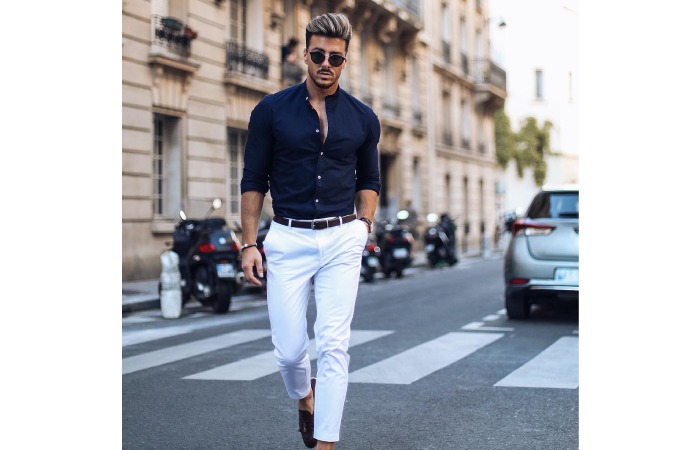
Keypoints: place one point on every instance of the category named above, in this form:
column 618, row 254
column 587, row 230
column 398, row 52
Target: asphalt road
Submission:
column 435, row 364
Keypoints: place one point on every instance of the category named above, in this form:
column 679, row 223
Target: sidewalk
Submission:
column 143, row 295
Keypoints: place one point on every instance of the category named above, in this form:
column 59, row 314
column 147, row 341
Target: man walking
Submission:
column 314, row 146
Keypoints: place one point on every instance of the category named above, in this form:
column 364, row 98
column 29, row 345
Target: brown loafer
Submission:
column 306, row 422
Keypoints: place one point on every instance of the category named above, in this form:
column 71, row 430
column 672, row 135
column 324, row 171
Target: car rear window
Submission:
column 554, row 205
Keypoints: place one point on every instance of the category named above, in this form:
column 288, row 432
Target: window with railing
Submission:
column 241, row 59
column 172, row 35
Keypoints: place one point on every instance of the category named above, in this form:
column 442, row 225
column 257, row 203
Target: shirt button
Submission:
column 317, row 131
column 316, row 200
column 319, row 177
column 322, row 153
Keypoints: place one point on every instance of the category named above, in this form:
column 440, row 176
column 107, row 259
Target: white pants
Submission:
column 332, row 258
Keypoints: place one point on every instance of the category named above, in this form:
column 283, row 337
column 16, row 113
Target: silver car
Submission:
column 541, row 263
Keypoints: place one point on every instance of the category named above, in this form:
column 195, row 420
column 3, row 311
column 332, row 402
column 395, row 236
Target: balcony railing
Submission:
column 292, row 74
column 466, row 144
column 241, row 59
column 173, row 35
column 392, row 108
column 486, row 71
column 412, row 6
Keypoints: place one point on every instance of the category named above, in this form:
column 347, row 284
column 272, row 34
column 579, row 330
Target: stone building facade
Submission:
column 194, row 69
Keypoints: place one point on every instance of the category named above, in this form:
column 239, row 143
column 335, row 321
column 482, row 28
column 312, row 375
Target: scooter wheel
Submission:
column 222, row 299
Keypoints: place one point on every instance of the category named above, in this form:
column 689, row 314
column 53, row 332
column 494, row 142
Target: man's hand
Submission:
column 252, row 259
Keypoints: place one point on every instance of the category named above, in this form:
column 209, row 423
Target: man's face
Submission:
column 324, row 74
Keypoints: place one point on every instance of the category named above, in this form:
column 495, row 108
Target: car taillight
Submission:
column 529, row 227
column 207, row 248
column 371, row 247
column 518, row 281
column 235, row 247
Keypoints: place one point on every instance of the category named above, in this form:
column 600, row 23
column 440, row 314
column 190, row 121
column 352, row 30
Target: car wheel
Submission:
column 517, row 306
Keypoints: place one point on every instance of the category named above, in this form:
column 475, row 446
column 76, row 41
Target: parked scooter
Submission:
column 210, row 263
column 396, row 243
column 439, row 248
column 371, row 256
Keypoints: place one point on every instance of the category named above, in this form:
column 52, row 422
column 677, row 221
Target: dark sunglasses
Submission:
column 334, row 59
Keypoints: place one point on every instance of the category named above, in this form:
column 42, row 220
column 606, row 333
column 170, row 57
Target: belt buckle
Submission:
column 313, row 224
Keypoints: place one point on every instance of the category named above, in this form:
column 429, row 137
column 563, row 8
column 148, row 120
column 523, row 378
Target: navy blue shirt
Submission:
column 310, row 179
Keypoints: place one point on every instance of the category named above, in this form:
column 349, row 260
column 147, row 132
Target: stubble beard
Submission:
column 323, row 84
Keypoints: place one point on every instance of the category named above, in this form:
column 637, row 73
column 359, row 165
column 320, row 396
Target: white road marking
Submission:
column 424, row 359
column 491, row 318
column 555, row 367
column 183, row 351
column 479, row 326
column 142, row 336
column 265, row 364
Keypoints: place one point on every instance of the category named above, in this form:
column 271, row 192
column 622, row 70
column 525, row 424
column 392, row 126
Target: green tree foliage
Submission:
column 528, row 146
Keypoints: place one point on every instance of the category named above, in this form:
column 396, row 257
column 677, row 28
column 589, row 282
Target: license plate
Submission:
column 566, row 275
column 373, row 261
column 225, row 270
column 429, row 248
column 400, row 253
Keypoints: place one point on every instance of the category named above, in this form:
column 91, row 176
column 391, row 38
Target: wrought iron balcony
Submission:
column 486, row 71
column 292, row 74
column 392, row 108
column 241, row 59
column 412, row 6
column 172, row 35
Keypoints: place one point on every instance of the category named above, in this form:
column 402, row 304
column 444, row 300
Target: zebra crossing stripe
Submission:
column 265, row 363
column 424, row 359
column 183, row 351
column 555, row 367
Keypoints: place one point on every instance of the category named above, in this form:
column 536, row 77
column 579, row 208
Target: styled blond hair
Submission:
column 330, row 25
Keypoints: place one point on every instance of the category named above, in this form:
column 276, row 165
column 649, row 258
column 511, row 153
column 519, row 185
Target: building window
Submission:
column 446, row 119
column 415, row 92
column 417, row 200
column 391, row 102
column 236, row 148
column 446, row 32
column 539, row 94
column 464, row 44
column 167, row 176
column 238, row 20
column 466, row 128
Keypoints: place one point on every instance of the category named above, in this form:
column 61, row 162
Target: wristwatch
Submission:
column 368, row 222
